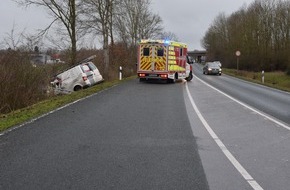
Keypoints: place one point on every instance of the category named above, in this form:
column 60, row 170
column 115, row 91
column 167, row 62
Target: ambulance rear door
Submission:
column 153, row 57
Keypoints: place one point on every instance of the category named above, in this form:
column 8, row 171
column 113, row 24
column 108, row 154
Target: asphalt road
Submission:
column 273, row 102
column 151, row 136
column 133, row 136
column 258, row 144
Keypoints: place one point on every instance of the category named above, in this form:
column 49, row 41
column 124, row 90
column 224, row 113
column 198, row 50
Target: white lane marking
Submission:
column 37, row 118
column 224, row 149
column 245, row 105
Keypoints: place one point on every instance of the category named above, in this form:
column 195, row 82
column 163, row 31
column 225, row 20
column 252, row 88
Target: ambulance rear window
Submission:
column 146, row 51
column 181, row 52
column 160, row 52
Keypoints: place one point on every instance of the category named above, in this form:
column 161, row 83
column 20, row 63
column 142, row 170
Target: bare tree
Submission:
column 23, row 41
column 98, row 16
column 260, row 31
column 29, row 42
column 135, row 21
column 13, row 38
column 169, row 36
column 63, row 11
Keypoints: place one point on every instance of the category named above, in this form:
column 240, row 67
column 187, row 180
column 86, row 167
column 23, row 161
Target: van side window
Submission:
column 92, row 66
column 160, row 52
column 146, row 51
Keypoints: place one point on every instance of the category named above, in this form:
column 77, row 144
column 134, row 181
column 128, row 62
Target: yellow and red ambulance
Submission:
column 163, row 60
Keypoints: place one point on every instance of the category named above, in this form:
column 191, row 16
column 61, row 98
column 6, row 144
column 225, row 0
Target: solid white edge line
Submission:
column 245, row 105
column 224, row 149
column 48, row 113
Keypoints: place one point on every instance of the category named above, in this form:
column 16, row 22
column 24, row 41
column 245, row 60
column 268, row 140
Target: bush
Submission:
column 120, row 55
column 21, row 84
column 288, row 70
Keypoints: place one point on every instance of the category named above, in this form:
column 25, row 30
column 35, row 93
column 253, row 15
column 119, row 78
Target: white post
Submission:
column 238, row 54
column 237, row 63
column 120, row 73
column 263, row 76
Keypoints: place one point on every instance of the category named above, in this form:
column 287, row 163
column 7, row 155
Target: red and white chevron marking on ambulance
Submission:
column 163, row 60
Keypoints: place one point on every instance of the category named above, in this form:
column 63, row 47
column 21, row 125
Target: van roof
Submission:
column 86, row 60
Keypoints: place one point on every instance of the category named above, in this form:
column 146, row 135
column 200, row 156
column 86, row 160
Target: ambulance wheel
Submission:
column 189, row 78
column 173, row 80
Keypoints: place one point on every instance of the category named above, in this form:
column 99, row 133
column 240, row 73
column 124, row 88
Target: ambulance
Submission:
column 163, row 60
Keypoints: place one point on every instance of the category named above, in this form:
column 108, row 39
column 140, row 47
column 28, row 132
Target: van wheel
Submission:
column 77, row 88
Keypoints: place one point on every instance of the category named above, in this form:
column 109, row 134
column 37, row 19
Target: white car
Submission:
column 76, row 78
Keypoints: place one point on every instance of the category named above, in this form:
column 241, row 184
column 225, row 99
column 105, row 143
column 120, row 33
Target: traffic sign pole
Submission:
column 238, row 54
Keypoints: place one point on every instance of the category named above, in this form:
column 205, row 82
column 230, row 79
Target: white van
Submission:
column 77, row 77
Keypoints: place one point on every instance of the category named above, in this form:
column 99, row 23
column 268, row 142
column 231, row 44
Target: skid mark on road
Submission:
column 224, row 149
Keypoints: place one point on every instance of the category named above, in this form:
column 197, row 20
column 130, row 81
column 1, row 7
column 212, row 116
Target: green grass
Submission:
column 278, row 80
column 23, row 115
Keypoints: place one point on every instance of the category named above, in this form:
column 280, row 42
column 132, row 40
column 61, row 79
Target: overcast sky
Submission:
column 187, row 19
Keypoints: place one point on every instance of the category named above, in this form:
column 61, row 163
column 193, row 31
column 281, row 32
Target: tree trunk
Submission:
column 73, row 31
column 106, row 51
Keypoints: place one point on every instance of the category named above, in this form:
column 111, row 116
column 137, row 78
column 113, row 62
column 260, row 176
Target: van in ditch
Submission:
column 77, row 77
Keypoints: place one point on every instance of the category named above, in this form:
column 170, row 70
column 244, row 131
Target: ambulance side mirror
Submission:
column 189, row 60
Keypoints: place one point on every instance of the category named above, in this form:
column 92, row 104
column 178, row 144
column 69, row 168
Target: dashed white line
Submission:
column 254, row 184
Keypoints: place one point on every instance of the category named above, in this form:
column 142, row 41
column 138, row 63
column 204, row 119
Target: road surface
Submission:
column 133, row 136
column 151, row 136
column 273, row 102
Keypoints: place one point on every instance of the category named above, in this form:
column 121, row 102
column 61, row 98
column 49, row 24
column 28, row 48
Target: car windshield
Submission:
column 213, row 65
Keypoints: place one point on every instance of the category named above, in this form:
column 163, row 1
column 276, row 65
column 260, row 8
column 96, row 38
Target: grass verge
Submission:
column 20, row 116
column 278, row 80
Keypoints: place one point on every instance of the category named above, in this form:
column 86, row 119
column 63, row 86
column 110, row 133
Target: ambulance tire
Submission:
column 171, row 81
column 189, row 78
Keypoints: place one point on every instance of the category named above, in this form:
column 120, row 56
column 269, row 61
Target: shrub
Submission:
column 21, row 84
column 288, row 70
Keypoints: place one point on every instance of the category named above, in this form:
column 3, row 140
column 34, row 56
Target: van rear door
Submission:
column 97, row 75
column 88, row 72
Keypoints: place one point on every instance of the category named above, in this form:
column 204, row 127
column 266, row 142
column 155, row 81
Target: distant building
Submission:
column 40, row 59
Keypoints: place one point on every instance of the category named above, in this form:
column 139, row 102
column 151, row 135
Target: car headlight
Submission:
column 209, row 69
column 220, row 69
